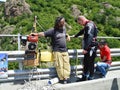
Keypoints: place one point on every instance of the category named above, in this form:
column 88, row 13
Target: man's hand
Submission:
column 34, row 34
column 67, row 37
column 84, row 51
column 40, row 34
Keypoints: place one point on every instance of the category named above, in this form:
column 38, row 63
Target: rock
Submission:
column 16, row 8
column 75, row 11
column 7, row 29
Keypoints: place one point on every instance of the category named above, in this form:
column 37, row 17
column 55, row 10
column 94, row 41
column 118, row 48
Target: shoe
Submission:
column 68, row 80
column 84, row 78
column 90, row 78
column 103, row 76
column 61, row 81
column 78, row 80
column 65, row 81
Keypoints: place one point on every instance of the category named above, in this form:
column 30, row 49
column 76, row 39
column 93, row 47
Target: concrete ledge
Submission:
column 111, row 82
column 98, row 84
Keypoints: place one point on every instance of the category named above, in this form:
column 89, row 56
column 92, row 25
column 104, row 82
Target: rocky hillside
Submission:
column 17, row 16
column 12, row 9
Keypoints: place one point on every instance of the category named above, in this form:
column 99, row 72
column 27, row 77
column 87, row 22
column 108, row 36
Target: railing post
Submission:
column 19, row 42
column 19, row 48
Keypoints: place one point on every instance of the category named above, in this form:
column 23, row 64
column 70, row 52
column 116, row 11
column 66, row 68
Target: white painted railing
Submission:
column 46, row 73
column 73, row 53
column 18, row 56
column 39, row 73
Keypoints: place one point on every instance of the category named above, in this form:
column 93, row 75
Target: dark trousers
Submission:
column 88, row 64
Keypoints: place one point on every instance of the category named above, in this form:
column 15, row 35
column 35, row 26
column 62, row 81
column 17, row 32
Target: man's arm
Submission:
column 40, row 34
column 79, row 33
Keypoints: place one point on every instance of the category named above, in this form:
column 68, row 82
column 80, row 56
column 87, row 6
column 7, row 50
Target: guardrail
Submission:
column 14, row 56
column 39, row 73
column 46, row 73
column 19, row 41
column 18, row 56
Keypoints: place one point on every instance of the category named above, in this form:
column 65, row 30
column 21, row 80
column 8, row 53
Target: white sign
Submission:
column 3, row 65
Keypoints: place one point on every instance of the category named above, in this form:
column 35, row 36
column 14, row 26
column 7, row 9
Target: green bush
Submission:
column 47, row 10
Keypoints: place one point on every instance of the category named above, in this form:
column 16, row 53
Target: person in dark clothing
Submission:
column 89, row 46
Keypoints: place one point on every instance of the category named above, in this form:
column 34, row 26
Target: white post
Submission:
column 19, row 48
column 19, row 42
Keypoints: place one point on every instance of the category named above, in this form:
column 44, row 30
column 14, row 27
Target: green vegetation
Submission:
column 106, row 18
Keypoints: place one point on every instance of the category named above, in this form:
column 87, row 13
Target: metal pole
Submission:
column 19, row 48
column 99, row 37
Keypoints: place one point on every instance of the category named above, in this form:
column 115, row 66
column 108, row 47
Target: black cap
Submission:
column 102, row 42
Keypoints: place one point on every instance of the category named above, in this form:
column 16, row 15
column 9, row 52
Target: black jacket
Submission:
column 90, row 33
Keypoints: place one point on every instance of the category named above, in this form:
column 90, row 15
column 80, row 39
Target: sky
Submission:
column 2, row 0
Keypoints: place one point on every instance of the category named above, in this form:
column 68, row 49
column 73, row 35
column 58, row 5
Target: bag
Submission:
column 31, row 59
column 46, row 55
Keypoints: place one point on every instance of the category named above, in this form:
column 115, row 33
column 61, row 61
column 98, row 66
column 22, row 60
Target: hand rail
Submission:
column 46, row 73
column 49, row 72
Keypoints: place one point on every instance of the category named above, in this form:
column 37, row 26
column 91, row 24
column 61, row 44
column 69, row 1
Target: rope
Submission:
column 98, row 37
column 11, row 35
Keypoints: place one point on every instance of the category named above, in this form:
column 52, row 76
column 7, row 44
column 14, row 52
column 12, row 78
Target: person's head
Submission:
column 102, row 43
column 59, row 22
column 82, row 20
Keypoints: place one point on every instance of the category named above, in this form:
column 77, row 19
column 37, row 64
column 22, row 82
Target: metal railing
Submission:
column 18, row 56
column 73, row 53
column 19, row 45
column 45, row 73
column 39, row 73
